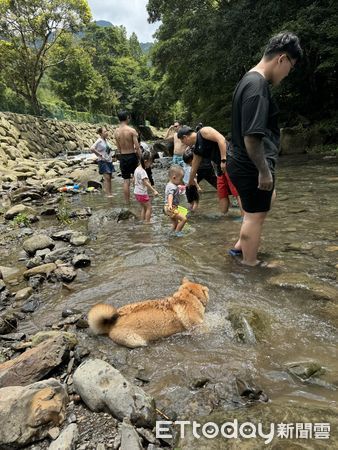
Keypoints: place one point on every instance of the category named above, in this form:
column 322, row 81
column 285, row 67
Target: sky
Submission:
column 130, row 13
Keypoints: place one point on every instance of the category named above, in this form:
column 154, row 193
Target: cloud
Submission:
column 130, row 13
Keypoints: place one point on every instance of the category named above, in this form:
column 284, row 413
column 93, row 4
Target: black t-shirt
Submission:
column 254, row 112
column 207, row 149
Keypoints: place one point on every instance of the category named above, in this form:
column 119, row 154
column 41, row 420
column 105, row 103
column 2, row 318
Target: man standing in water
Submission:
column 252, row 156
column 179, row 147
column 129, row 150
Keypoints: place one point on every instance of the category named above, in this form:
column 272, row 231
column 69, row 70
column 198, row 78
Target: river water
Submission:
column 194, row 374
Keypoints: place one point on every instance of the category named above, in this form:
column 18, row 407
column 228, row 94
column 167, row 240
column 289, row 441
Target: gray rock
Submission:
column 70, row 312
column 54, row 432
column 43, row 269
column 81, row 260
column 37, row 242
column 35, row 281
column 67, row 439
column 18, row 209
column 31, row 305
column 130, row 440
column 103, row 388
column 8, row 323
column 63, row 253
column 41, row 406
column 35, row 363
column 23, row 294
column 13, row 336
column 94, row 184
column 79, row 239
column 2, row 285
column 65, row 273
column 43, row 253
column 34, row 262
column 63, row 235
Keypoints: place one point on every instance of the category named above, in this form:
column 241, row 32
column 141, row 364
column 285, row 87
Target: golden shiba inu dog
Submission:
column 137, row 324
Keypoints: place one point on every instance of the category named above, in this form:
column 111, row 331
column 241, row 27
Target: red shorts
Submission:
column 142, row 198
column 225, row 186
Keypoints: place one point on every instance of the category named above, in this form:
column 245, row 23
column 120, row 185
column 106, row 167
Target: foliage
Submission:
column 205, row 47
column 29, row 29
column 63, row 211
column 21, row 220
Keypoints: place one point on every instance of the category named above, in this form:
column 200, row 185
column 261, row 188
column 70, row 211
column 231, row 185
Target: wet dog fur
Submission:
column 137, row 324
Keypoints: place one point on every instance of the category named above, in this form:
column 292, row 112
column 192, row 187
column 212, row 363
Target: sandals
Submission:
column 235, row 252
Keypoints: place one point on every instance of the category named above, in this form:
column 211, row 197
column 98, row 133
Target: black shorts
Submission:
column 207, row 175
column 128, row 164
column 253, row 200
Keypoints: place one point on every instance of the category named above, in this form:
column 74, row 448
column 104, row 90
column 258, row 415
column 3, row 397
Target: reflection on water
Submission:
column 132, row 262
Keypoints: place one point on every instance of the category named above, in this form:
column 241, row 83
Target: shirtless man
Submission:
column 179, row 147
column 129, row 150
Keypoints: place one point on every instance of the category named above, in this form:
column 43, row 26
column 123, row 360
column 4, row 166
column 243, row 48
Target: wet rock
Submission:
column 103, row 388
column 67, row 439
column 250, row 324
column 2, row 285
column 303, row 371
column 332, row 248
column 36, row 281
column 62, row 254
column 37, row 242
column 25, row 193
column 70, row 312
column 18, row 209
column 78, row 239
column 147, row 435
column 23, row 294
column 25, row 231
column 81, row 260
column 250, row 392
column 43, row 336
column 94, row 184
column 101, row 217
column 298, row 247
column 81, row 213
column 31, row 305
column 63, row 235
column 130, row 440
column 8, row 323
column 303, row 282
column 34, row 262
column 41, row 406
column 49, row 211
column 35, row 363
column 65, row 273
column 44, row 269
column 7, row 273
column 13, row 336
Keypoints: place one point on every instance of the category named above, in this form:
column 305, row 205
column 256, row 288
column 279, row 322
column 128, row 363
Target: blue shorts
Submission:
column 177, row 159
column 106, row 167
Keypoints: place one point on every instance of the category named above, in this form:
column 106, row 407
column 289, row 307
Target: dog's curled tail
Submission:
column 101, row 318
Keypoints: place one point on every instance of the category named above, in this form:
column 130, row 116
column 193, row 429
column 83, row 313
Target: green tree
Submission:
column 29, row 29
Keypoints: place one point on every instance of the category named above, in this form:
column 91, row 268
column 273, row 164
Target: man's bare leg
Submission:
column 126, row 190
column 250, row 235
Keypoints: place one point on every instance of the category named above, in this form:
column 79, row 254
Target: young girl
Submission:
column 142, row 184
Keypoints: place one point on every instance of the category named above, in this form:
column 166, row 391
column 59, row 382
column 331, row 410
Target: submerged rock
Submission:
column 303, row 282
column 101, row 217
column 250, row 324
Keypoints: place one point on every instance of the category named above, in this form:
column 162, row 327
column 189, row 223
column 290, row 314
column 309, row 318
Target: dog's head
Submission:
column 196, row 289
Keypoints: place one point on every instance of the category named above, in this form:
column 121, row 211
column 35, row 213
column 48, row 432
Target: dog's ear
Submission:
column 185, row 280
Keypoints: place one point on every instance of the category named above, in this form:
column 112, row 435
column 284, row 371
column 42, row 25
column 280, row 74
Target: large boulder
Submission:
column 103, row 388
column 27, row 413
column 35, row 363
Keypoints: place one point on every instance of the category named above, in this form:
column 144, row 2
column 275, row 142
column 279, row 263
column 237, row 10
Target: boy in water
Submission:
column 172, row 199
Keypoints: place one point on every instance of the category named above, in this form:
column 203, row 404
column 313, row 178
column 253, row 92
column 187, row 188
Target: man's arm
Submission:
column 213, row 135
column 254, row 147
column 169, row 131
column 136, row 144
column 194, row 167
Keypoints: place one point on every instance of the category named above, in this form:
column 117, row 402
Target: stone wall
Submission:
column 24, row 136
